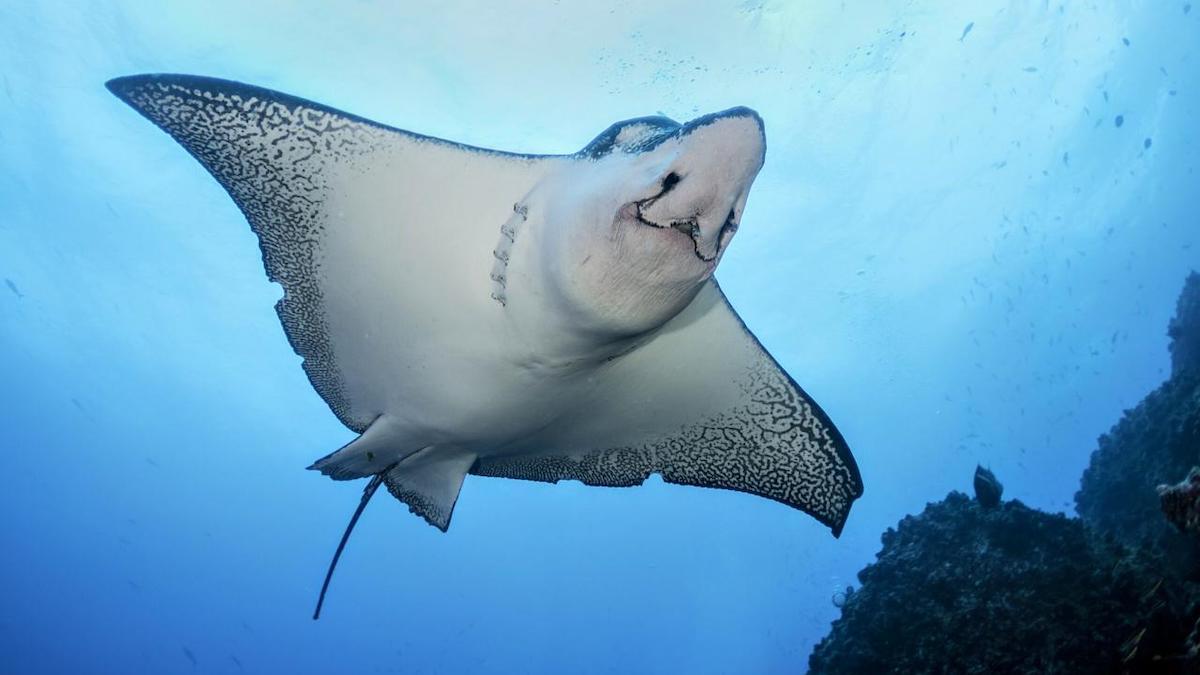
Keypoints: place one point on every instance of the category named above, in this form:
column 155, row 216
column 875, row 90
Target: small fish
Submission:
column 1030, row 69
column 236, row 662
column 1118, row 121
column 966, row 30
column 1147, row 143
column 191, row 657
column 1125, row 40
column 13, row 287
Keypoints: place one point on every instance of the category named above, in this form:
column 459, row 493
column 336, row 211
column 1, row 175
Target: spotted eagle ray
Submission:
column 543, row 317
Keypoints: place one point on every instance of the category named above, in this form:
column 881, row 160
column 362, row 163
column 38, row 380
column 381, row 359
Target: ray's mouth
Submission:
column 689, row 226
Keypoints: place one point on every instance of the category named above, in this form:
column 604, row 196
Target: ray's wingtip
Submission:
column 124, row 85
column 837, row 522
column 836, row 529
column 120, row 86
column 114, row 87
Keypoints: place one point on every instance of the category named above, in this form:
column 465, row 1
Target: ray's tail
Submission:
column 368, row 492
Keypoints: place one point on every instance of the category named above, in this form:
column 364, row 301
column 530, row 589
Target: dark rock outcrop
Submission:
column 1184, row 329
column 996, row 587
column 1155, row 443
column 967, row 589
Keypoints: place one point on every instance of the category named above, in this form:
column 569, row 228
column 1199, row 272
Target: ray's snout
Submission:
column 738, row 114
column 705, row 189
column 737, row 133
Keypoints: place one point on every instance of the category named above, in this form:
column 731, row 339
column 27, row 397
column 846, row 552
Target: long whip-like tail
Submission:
column 368, row 492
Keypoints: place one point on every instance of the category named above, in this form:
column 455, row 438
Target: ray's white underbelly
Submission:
column 430, row 348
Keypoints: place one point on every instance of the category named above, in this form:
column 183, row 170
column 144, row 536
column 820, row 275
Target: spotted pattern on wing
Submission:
column 631, row 136
column 420, row 504
column 777, row 446
column 269, row 151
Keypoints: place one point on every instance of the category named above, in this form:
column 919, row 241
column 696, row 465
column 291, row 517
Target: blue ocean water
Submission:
column 966, row 244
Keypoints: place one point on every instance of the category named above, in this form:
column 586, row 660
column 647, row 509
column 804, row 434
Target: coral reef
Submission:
column 1181, row 502
column 966, row 589
column 1155, row 443
column 984, row 586
column 1184, row 329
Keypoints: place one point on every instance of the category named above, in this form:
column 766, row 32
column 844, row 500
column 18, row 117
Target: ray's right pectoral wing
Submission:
column 702, row 403
column 347, row 212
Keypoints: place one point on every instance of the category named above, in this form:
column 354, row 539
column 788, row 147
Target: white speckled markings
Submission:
column 270, row 154
column 759, row 434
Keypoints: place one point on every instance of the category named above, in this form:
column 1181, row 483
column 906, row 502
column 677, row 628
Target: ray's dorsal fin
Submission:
column 702, row 403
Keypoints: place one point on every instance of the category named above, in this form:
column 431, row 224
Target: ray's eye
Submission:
column 669, row 182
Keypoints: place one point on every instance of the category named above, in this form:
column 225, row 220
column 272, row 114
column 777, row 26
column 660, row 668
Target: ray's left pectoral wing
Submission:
column 702, row 403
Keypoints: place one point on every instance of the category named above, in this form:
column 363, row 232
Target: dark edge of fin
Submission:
column 368, row 492
column 837, row 523
column 121, row 86
column 416, row 484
